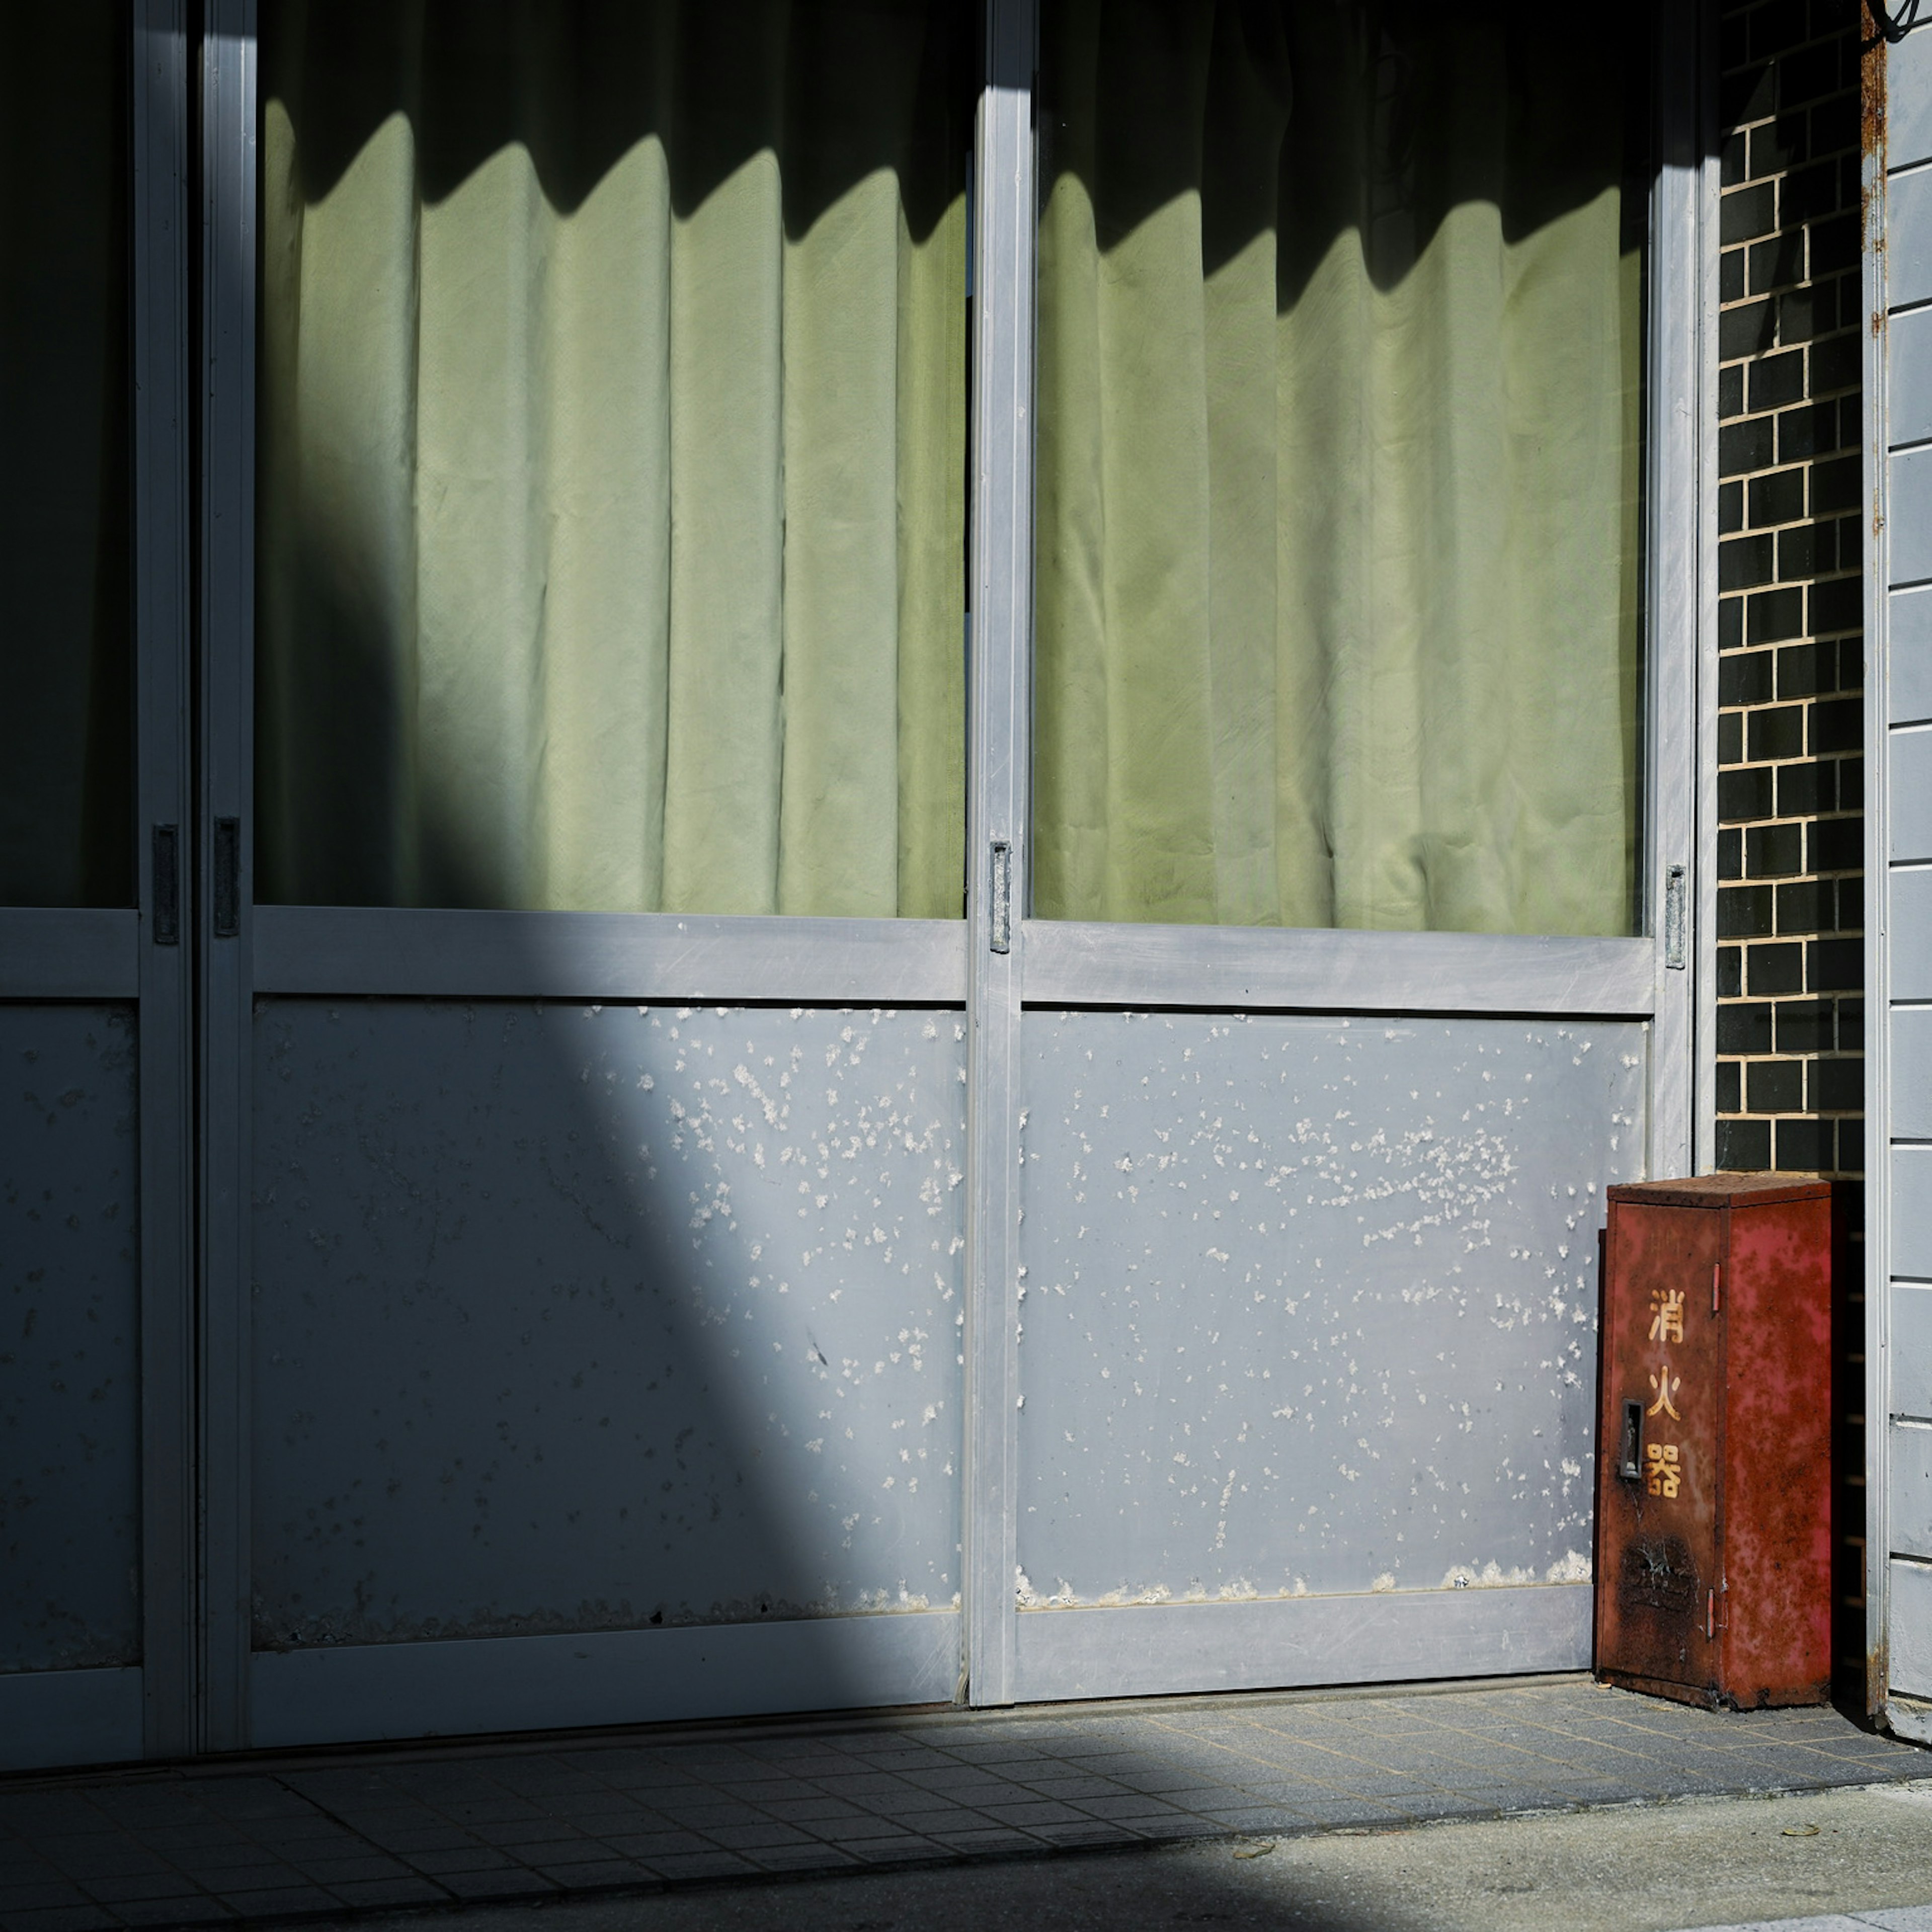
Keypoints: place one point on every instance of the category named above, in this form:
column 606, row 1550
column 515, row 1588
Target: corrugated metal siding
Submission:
column 1906, row 836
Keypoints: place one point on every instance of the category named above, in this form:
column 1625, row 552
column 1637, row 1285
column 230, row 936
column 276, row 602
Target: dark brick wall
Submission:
column 1790, row 897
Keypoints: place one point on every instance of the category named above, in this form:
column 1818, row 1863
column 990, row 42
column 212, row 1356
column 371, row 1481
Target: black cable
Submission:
column 1893, row 28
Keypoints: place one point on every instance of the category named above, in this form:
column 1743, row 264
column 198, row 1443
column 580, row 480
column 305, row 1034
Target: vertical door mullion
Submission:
column 228, row 209
column 159, row 485
column 1676, row 391
column 1000, row 762
column 1704, row 900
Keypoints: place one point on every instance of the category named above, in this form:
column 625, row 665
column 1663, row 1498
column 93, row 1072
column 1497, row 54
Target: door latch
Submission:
column 166, row 890
column 226, row 899
column 1676, row 893
column 1000, row 922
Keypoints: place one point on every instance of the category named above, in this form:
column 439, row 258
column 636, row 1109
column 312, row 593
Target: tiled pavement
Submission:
column 261, row 1839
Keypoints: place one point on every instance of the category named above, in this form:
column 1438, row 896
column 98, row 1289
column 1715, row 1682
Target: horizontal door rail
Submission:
column 51, row 1717
column 349, row 952
column 341, row 1693
column 352, row 951
column 62, row 954
column 1074, row 964
column 1127, row 1651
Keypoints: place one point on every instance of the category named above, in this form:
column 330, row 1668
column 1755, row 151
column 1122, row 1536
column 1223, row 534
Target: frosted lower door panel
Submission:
column 70, row 1340
column 1310, row 1306
column 574, row 1318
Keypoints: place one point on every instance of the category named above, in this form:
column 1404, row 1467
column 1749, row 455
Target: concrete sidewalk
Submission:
column 1852, row 1861
column 516, row 1820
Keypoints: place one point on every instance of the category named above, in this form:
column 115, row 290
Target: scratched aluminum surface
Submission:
column 70, row 1403
column 1309, row 1305
column 577, row 1318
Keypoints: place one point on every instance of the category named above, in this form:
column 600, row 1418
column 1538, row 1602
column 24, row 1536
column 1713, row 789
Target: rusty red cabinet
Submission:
column 1713, row 1445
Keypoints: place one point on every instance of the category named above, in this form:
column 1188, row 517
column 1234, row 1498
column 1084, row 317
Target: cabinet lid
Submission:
column 1724, row 1190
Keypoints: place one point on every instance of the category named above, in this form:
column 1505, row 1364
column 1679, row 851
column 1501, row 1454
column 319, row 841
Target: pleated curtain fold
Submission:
column 612, row 460
column 1340, row 309
column 612, row 492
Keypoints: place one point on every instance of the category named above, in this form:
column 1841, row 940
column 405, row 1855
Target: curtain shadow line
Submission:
column 579, row 85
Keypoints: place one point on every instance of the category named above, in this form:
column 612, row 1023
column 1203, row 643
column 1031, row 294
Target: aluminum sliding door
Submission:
column 614, row 1316
column 1283, row 1243
column 584, row 1288
column 96, row 1565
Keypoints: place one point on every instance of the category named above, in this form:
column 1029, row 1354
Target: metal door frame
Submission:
column 498, row 1683
column 994, row 962
column 1667, row 978
column 82, row 1715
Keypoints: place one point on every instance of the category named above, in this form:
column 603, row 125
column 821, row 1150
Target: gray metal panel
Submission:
column 1911, row 1587
column 1904, row 1718
column 1071, row 963
column 1911, row 1177
column 1908, row 103
column 70, row 1323
column 1912, row 1345
column 350, row 1692
column 1908, row 386
column 588, row 955
column 49, row 1717
column 1909, row 490
column 1911, row 1489
column 1908, row 795
column 1389, row 1637
column 1309, row 1306
column 63, row 954
column 1911, row 933
column 1908, row 223
column 1911, row 1072
column 575, row 1317
column 1909, row 616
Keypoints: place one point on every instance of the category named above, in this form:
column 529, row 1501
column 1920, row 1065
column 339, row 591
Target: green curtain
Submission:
column 1337, row 569
column 67, row 753
column 612, row 429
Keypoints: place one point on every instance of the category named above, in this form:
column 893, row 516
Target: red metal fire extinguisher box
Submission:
column 1713, row 1560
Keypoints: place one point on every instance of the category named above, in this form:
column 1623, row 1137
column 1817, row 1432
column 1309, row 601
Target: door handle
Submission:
column 167, row 887
column 1001, row 924
column 1630, row 1444
column 227, row 906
